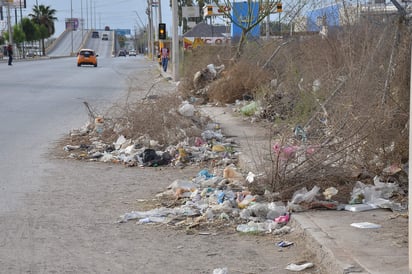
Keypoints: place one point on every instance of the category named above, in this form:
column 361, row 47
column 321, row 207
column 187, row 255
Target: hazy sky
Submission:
column 118, row 14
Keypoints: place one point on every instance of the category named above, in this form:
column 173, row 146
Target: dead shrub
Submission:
column 156, row 119
column 348, row 92
column 358, row 117
column 242, row 80
column 197, row 59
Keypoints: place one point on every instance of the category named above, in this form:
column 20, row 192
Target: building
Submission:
column 205, row 34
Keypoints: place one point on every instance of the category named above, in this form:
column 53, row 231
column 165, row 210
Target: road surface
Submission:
column 72, row 41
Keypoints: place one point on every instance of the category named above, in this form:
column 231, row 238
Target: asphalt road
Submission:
column 39, row 102
column 70, row 42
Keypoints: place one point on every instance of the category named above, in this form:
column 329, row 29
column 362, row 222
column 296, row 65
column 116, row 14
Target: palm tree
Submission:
column 44, row 17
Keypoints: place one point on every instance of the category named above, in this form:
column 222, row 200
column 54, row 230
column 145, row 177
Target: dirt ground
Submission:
column 71, row 226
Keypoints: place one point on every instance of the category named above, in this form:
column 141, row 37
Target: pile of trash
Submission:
column 143, row 151
column 209, row 197
column 224, row 196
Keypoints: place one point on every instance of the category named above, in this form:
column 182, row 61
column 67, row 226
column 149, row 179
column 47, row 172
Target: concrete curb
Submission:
column 318, row 241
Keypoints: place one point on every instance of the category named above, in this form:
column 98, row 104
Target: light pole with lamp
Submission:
column 21, row 22
column 71, row 25
column 9, row 24
column 81, row 18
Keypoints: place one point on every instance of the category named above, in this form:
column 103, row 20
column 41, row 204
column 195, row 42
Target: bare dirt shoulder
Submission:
column 70, row 226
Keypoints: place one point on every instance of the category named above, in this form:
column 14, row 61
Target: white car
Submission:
column 132, row 53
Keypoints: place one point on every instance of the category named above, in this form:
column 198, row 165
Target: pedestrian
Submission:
column 10, row 54
column 165, row 58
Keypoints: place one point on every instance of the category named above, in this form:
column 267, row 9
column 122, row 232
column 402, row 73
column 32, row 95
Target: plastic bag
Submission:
column 303, row 195
column 249, row 109
column 187, row 110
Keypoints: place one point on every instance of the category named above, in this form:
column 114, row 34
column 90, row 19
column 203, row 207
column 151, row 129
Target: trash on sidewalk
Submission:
column 360, row 207
column 330, row 192
column 365, row 225
column 267, row 227
column 375, row 196
column 99, row 124
column 284, row 243
column 299, row 267
column 283, row 219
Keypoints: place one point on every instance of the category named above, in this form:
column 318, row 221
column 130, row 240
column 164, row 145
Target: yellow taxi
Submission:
column 87, row 57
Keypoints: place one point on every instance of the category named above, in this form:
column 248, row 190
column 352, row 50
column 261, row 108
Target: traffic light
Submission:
column 279, row 7
column 209, row 10
column 162, row 31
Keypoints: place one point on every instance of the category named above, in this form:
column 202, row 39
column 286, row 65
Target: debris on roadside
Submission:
column 284, row 243
column 367, row 197
column 299, row 267
column 225, row 194
column 365, row 225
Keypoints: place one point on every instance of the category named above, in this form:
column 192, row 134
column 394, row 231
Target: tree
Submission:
column 246, row 17
column 30, row 30
column 44, row 17
column 18, row 34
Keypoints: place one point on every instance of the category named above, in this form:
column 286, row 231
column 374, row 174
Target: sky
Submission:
column 118, row 14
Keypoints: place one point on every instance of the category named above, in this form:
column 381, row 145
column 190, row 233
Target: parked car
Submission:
column 122, row 52
column 105, row 36
column 95, row 34
column 132, row 52
column 87, row 57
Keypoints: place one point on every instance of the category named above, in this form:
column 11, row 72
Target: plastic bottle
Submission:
column 245, row 228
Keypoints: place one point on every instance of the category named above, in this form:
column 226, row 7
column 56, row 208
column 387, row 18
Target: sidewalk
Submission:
column 340, row 247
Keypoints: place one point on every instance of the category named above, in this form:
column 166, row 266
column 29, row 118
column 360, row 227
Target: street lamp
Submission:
column 71, row 24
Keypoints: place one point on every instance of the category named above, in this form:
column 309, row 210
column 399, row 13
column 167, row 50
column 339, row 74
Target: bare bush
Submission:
column 349, row 93
column 357, row 117
column 156, row 119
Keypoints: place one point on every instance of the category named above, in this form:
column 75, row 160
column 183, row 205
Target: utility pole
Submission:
column 87, row 14
column 71, row 25
column 151, row 30
column 268, row 21
column 21, row 22
column 160, row 11
column 175, row 41
column 81, row 18
column 161, row 44
column 95, row 20
column 149, row 12
column 91, row 15
column 9, row 24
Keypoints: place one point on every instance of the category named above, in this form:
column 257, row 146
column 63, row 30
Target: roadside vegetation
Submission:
column 37, row 27
column 336, row 107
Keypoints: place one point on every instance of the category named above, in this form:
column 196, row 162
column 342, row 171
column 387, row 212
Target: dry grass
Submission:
column 157, row 119
column 357, row 119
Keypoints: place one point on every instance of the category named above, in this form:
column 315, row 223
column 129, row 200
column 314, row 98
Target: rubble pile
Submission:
column 210, row 197
column 210, row 145
column 226, row 194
